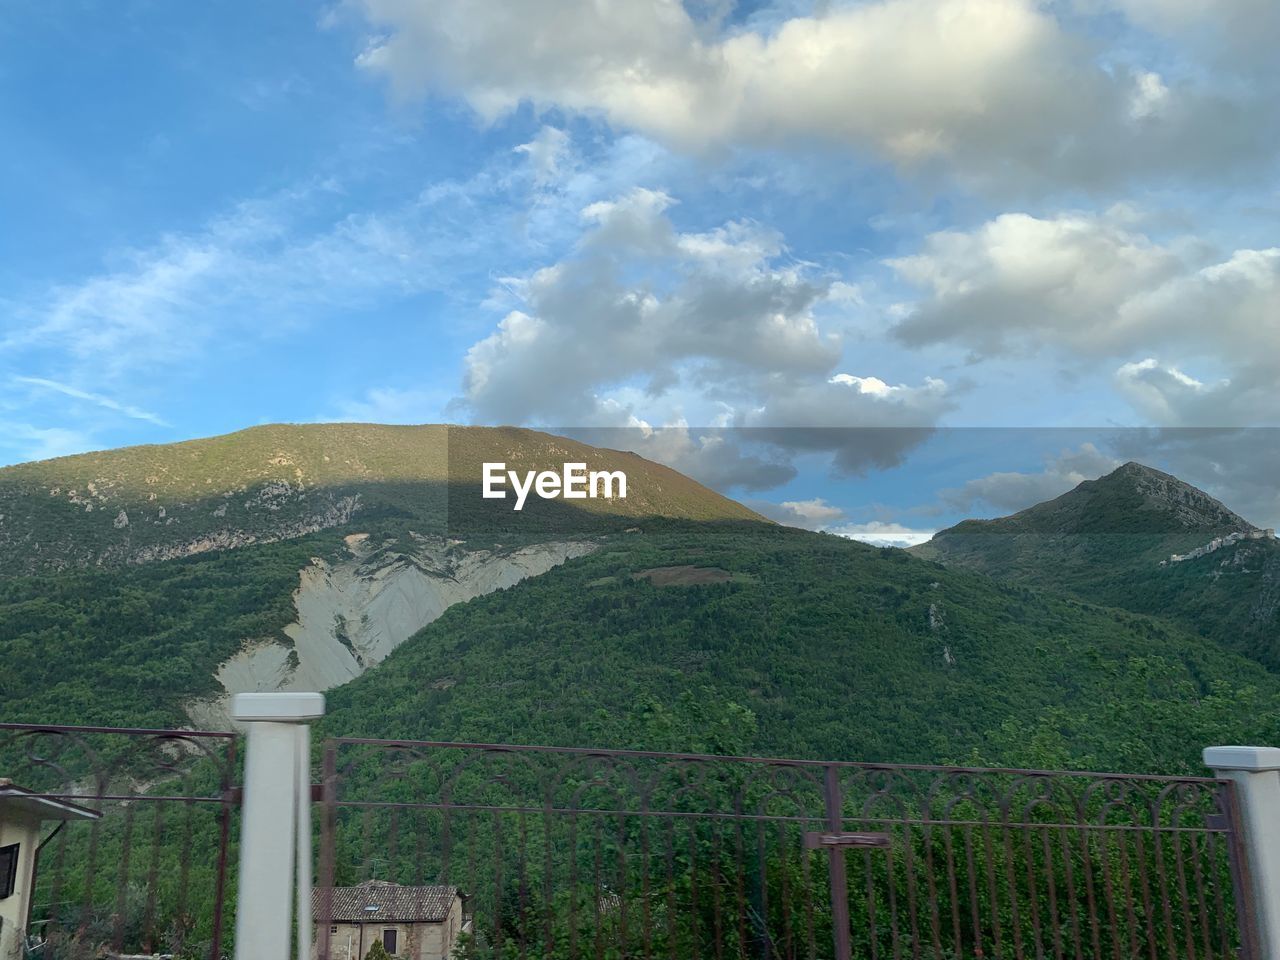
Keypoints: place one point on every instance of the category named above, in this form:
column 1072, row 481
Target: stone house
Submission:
column 417, row 923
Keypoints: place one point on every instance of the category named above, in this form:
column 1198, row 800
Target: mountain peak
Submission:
column 1132, row 499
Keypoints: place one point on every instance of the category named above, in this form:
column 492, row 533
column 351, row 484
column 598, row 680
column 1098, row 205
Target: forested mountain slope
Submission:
column 1141, row 540
column 786, row 642
column 145, row 585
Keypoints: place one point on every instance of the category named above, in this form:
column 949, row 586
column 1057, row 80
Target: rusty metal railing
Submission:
column 150, row 873
column 597, row 853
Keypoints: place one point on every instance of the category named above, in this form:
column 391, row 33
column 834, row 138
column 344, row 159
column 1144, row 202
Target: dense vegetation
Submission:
column 710, row 633
column 129, row 648
column 836, row 649
column 1105, row 542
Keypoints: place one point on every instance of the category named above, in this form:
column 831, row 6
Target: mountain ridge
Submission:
column 1141, row 540
column 278, row 482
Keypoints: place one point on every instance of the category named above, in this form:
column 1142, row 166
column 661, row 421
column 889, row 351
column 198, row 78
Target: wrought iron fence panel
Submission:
column 150, row 873
column 577, row 853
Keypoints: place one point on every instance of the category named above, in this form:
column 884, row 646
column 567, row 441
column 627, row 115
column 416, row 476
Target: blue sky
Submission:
column 770, row 221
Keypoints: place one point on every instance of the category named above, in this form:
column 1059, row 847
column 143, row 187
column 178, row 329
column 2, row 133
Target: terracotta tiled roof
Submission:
column 393, row 902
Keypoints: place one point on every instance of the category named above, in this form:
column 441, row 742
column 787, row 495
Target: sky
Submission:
column 870, row 266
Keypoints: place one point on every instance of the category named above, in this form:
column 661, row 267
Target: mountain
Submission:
column 273, row 483
column 279, row 557
column 781, row 641
column 672, row 619
column 1140, row 540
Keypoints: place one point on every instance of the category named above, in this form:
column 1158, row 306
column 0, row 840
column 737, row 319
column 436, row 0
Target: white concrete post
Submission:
column 276, row 779
column 1256, row 773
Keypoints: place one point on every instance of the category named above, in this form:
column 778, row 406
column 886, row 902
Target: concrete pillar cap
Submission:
column 1253, row 759
column 278, row 707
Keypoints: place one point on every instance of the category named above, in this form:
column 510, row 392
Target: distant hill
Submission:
column 1141, row 540
column 279, row 482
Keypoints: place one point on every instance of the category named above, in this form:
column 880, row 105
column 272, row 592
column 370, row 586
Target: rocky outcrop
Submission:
column 352, row 613
column 1217, row 543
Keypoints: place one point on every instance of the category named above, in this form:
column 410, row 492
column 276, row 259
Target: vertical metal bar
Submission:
column 1198, row 873
column 671, row 888
column 1126, row 881
column 1145, row 885
column 974, row 906
column 573, row 884
column 1220, row 907
column 1162, row 878
column 935, row 915
column 122, row 886
column 957, row 942
column 184, row 874
column 548, row 880
column 1241, row 882
column 328, row 825
column 1180, row 865
column 835, row 865
column 597, row 889
column 806, row 875
column 1072, row 897
column 1054, row 925
column 153, row 878
column 497, row 882
column 784, row 893
column 694, row 886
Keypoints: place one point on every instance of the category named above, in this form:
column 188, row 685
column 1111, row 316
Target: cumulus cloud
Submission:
column 642, row 312
column 1234, row 35
column 991, row 90
column 638, row 299
column 815, row 514
column 1167, row 395
column 1011, row 491
column 721, row 458
column 1095, row 286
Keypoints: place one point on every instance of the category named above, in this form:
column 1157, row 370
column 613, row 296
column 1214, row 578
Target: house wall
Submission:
column 23, row 829
column 414, row 941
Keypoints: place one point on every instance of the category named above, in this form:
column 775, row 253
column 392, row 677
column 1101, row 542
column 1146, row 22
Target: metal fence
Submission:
column 563, row 853
column 150, row 874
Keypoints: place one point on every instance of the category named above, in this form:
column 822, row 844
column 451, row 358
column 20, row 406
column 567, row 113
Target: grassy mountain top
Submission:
column 283, row 481
column 1140, row 540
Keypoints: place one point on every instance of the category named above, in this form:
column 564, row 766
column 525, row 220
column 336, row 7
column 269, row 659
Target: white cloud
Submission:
column 992, row 90
column 815, row 514
column 107, row 403
column 643, row 316
column 1234, row 35
column 546, row 153
column 638, row 299
column 1093, row 286
column 1011, row 491
column 1166, row 395
column 882, row 533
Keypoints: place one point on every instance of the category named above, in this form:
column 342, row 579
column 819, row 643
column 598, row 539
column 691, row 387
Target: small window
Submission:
column 389, row 941
column 8, row 870
column 333, row 929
